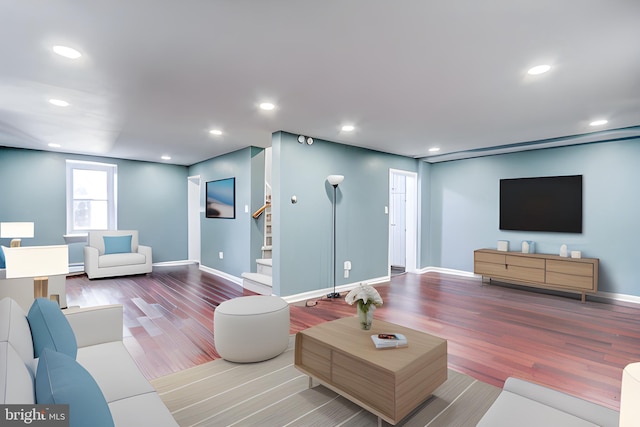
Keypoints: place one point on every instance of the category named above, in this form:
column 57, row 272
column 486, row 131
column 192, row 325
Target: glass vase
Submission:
column 365, row 315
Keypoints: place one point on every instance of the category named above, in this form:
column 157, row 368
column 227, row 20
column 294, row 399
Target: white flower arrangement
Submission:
column 364, row 295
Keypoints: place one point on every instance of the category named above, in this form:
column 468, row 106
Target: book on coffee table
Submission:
column 389, row 340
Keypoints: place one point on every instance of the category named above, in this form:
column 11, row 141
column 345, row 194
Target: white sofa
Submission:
column 131, row 399
column 526, row 404
column 98, row 263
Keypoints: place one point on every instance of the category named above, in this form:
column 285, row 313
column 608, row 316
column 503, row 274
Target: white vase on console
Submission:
column 563, row 251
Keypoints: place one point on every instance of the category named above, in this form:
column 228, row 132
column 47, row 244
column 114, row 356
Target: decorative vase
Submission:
column 365, row 314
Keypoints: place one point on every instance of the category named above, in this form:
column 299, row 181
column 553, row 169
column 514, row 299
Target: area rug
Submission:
column 275, row 394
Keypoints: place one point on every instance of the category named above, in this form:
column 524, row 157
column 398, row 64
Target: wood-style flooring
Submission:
column 493, row 332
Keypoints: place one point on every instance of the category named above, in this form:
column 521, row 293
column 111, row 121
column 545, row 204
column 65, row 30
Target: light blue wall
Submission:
column 152, row 199
column 233, row 237
column 302, row 231
column 465, row 208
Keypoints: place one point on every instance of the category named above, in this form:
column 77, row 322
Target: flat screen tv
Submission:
column 221, row 198
column 550, row 203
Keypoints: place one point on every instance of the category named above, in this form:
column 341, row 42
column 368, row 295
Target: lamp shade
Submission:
column 335, row 179
column 16, row 230
column 630, row 396
column 36, row 261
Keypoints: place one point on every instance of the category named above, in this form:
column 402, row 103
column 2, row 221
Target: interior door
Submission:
column 398, row 231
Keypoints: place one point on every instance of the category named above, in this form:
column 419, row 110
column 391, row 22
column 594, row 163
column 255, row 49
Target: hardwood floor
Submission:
column 493, row 332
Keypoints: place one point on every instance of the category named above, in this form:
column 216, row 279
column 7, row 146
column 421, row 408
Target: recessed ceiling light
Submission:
column 59, row 102
column 267, row 106
column 598, row 122
column 348, row 128
column 67, row 52
column 215, row 132
column 434, row 149
column 165, row 157
column 539, row 69
column 54, row 145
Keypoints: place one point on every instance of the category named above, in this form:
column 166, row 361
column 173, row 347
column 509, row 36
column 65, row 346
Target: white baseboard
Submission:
column 448, row 271
column 617, row 297
column 172, row 263
column 235, row 280
column 319, row 293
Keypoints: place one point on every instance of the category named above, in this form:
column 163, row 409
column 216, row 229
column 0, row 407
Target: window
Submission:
column 91, row 196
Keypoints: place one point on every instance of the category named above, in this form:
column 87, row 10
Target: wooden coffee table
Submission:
column 389, row 383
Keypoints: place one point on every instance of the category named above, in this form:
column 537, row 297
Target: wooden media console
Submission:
column 546, row 271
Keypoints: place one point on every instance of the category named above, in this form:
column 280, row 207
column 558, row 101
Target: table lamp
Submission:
column 38, row 262
column 16, row 231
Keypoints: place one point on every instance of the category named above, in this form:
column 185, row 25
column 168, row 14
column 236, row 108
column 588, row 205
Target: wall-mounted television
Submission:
column 550, row 203
column 221, row 198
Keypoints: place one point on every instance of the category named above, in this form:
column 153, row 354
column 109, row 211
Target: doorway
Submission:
column 195, row 205
column 403, row 208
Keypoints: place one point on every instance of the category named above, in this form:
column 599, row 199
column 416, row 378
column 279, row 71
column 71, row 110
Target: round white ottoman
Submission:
column 251, row 329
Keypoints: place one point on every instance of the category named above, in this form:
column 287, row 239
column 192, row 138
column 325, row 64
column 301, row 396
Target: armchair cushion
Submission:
column 95, row 239
column 118, row 260
column 51, row 329
column 62, row 380
column 117, row 244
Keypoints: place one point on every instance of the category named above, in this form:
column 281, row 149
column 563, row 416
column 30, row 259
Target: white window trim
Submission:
column 112, row 191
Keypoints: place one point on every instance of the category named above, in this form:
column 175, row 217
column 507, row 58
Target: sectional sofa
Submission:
column 76, row 358
column 526, row 404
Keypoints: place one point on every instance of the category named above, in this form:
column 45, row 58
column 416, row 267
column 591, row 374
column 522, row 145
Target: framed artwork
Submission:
column 221, row 198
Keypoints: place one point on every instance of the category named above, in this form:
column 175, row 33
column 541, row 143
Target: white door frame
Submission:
column 194, row 208
column 411, row 218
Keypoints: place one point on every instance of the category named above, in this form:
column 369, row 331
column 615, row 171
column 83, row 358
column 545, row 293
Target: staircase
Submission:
column 261, row 281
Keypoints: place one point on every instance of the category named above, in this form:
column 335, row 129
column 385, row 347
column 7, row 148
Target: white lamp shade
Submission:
column 335, row 179
column 630, row 396
column 16, row 230
column 36, row 261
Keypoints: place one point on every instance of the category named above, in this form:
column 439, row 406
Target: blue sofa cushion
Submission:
column 3, row 262
column 50, row 328
column 117, row 244
column 62, row 380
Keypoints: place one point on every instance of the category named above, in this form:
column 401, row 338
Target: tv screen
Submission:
column 221, row 196
column 551, row 203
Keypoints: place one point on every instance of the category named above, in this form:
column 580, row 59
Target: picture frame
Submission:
column 220, row 198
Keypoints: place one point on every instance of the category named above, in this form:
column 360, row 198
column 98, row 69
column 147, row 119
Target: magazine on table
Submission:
column 389, row 340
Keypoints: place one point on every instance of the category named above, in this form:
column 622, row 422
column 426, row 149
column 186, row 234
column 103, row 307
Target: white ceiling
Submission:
column 156, row 75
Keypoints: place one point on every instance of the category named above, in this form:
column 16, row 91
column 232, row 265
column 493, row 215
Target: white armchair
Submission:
column 115, row 253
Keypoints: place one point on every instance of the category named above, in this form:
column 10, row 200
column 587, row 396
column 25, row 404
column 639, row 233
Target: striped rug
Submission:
column 274, row 394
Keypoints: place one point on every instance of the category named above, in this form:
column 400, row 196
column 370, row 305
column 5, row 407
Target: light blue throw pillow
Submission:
column 61, row 380
column 3, row 263
column 117, row 244
column 50, row 328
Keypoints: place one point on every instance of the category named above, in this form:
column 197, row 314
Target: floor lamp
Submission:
column 334, row 180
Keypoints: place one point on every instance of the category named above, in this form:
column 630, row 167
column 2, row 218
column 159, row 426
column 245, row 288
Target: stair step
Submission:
column 264, row 266
column 259, row 283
